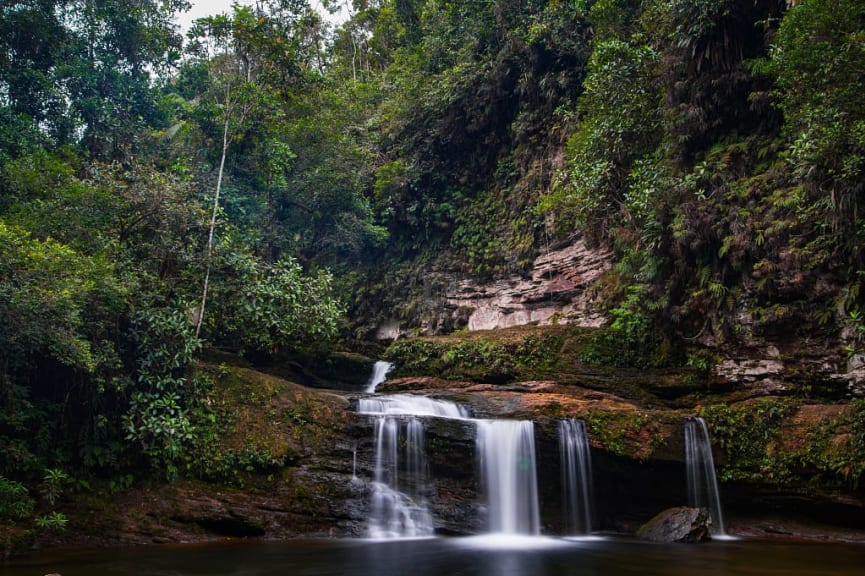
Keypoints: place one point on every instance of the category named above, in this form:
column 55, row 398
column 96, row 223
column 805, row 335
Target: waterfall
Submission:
column 576, row 464
column 379, row 375
column 401, row 483
column 406, row 404
column 507, row 461
column 702, row 483
column 399, row 500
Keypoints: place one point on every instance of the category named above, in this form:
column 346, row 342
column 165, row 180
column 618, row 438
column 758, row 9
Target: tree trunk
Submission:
column 212, row 227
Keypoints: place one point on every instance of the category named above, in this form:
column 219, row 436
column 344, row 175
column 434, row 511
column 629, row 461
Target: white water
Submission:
column 401, row 485
column 399, row 500
column 576, row 464
column 406, row 404
column 702, row 482
column 507, row 457
column 379, row 375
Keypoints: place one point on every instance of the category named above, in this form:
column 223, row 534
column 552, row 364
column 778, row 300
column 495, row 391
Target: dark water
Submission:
column 457, row 557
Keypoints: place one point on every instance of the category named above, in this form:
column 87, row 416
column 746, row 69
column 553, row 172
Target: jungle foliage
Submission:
column 717, row 146
column 113, row 134
column 719, row 154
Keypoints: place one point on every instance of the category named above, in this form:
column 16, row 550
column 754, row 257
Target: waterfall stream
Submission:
column 401, row 484
column 507, row 457
column 402, row 487
column 408, row 405
column 702, row 482
column 399, row 500
column 379, row 375
column 576, row 463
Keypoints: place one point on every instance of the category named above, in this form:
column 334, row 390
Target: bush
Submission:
column 262, row 308
column 15, row 501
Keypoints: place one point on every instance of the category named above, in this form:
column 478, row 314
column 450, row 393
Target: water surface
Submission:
column 457, row 557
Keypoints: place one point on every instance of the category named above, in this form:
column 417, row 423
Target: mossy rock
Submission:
column 266, row 423
column 809, row 448
column 339, row 370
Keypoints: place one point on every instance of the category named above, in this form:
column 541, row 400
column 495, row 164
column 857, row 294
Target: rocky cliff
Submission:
column 556, row 290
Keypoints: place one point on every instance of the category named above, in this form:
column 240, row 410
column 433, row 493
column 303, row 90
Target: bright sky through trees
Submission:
column 202, row 8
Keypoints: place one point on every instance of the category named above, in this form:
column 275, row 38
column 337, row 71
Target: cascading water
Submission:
column 401, row 484
column 399, row 500
column 406, row 404
column 507, row 460
column 702, row 482
column 379, row 375
column 576, row 466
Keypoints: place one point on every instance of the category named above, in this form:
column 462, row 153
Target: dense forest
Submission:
column 271, row 184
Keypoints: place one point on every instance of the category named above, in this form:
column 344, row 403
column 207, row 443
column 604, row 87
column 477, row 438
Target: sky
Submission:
column 201, row 8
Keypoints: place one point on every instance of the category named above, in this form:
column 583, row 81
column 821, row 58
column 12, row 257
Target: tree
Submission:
column 233, row 71
column 262, row 309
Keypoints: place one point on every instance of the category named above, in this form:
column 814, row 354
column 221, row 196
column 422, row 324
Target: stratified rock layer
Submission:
column 557, row 290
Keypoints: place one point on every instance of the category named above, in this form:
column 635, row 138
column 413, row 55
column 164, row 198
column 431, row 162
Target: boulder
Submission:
column 681, row 524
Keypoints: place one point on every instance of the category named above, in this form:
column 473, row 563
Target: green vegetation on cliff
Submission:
column 720, row 154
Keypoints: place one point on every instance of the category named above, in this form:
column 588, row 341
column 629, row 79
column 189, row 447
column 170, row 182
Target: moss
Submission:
column 261, row 424
column 616, row 348
column 812, row 448
column 493, row 357
column 749, row 434
column 618, row 432
column 833, row 450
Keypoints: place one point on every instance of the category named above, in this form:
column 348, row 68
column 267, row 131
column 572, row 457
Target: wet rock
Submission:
column 681, row 524
column 217, row 518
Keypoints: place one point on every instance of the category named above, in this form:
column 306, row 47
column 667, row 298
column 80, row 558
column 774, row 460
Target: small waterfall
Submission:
column 576, row 463
column 702, row 483
column 379, row 375
column 399, row 500
column 406, row 404
column 507, row 461
column 401, row 485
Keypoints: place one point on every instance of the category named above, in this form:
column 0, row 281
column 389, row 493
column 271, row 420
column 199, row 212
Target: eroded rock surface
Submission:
column 556, row 290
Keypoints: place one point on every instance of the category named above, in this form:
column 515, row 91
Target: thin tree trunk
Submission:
column 213, row 226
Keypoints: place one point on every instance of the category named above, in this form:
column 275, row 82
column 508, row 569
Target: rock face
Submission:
column 792, row 367
column 319, row 481
column 556, row 290
column 680, row 524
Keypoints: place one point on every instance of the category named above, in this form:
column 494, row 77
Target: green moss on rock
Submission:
column 493, row 357
column 783, row 442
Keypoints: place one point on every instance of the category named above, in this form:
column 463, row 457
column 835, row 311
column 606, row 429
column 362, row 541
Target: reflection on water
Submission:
column 457, row 557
